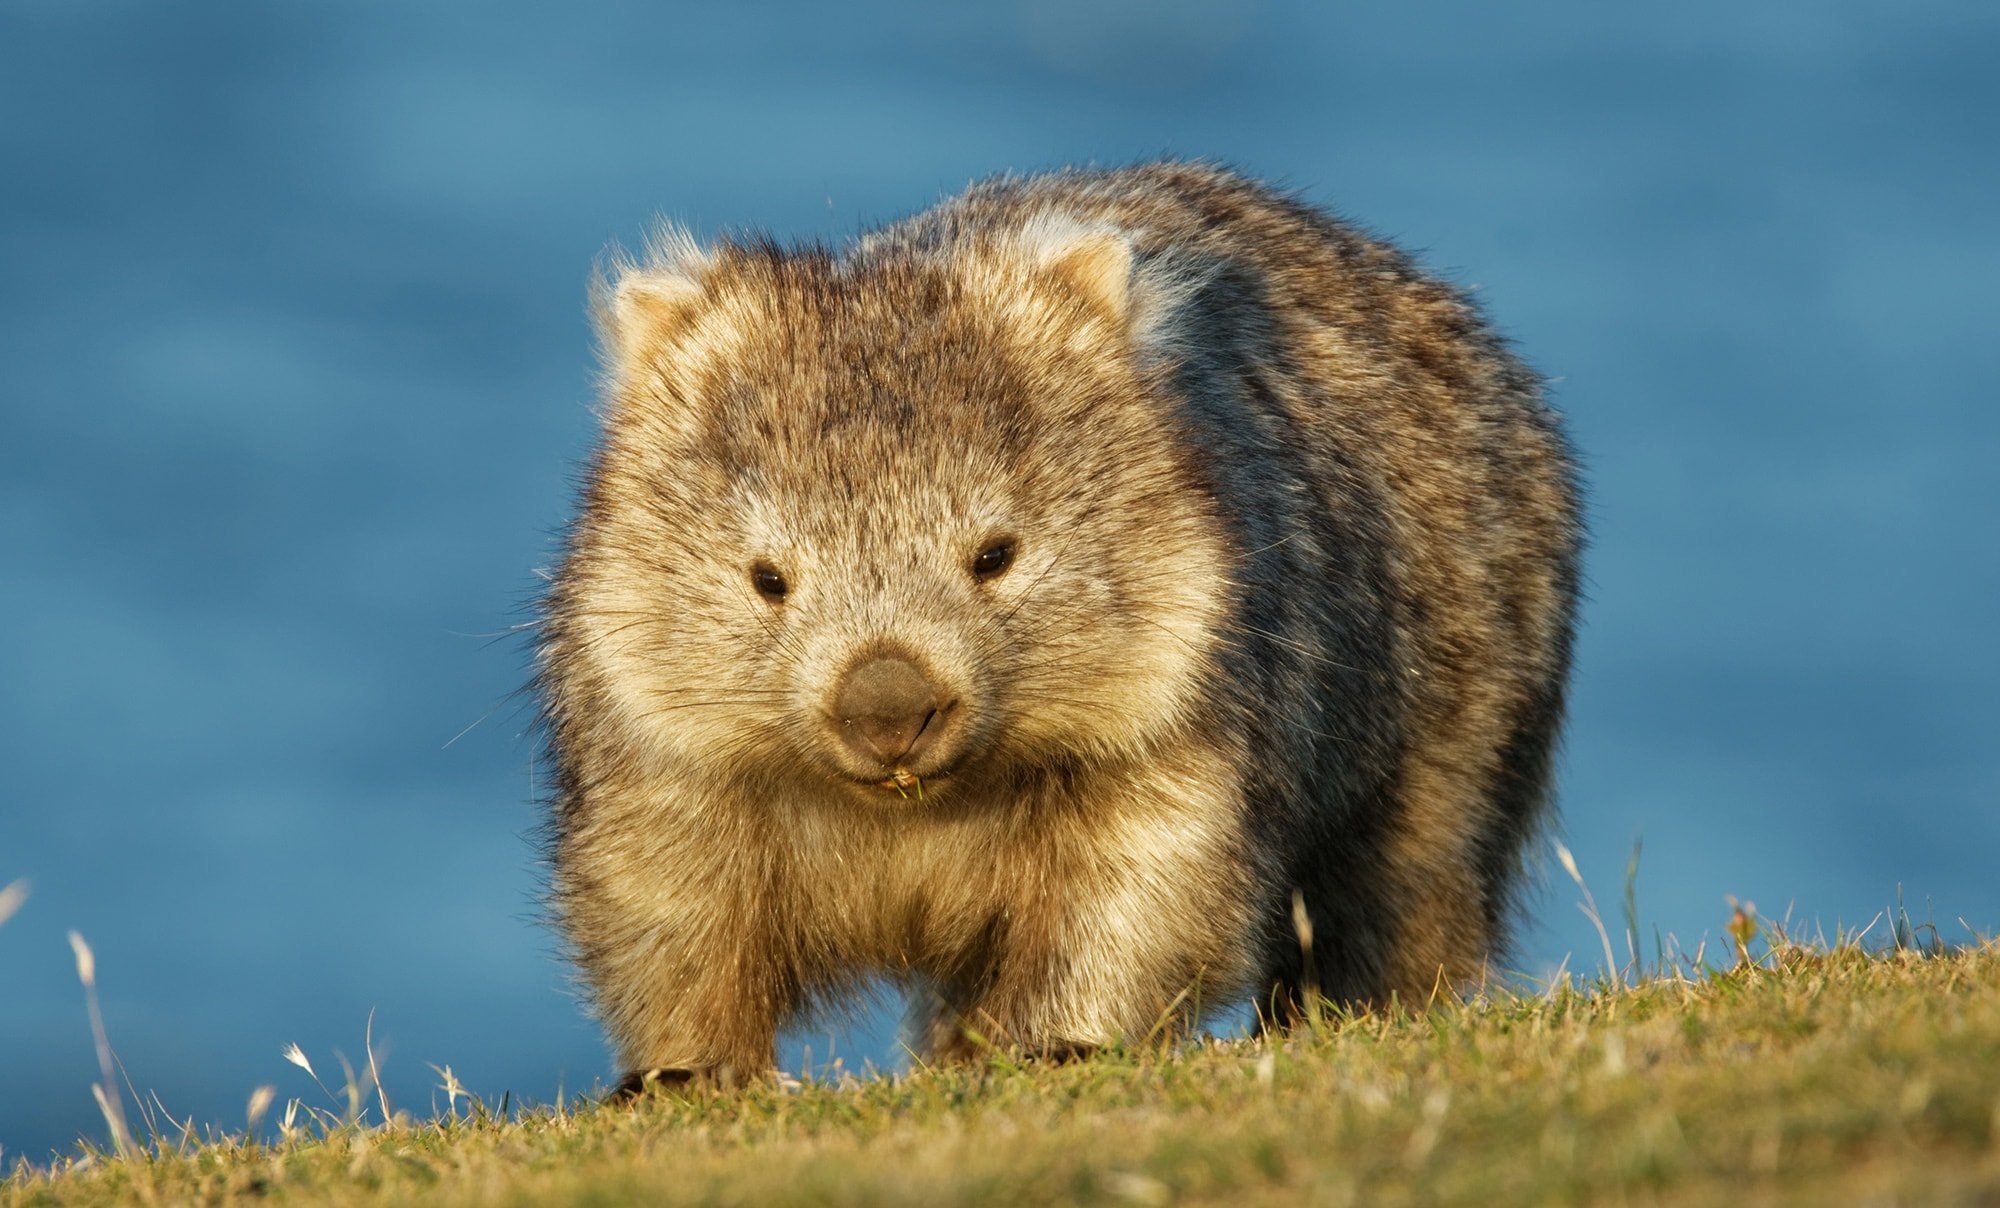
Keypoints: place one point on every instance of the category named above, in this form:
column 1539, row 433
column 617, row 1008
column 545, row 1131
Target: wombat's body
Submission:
column 1047, row 602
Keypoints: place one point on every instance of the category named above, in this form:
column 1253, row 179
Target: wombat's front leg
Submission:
column 1122, row 927
column 684, row 1018
column 690, row 996
column 1099, row 974
column 1058, row 1004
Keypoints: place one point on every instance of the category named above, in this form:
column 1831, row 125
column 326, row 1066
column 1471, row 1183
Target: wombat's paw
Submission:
column 637, row 1084
column 972, row 1047
column 1064, row 1054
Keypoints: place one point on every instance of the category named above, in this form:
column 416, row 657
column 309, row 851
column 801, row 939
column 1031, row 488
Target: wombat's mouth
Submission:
column 905, row 784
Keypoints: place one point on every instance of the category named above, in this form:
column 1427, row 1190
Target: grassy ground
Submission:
column 1811, row 1077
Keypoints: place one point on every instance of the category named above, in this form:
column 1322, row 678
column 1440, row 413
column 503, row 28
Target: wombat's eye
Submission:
column 768, row 582
column 993, row 560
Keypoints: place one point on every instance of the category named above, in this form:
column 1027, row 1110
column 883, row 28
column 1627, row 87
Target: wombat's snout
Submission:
column 888, row 712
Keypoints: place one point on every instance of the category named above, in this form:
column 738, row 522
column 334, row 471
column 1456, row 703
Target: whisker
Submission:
column 507, row 631
column 1251, row 553
column 1294, row 646
column 1036, row 584
column 469, row 729
column 713, row 703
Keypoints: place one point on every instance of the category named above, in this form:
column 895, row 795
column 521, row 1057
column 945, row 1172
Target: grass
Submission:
column 1809, row 1074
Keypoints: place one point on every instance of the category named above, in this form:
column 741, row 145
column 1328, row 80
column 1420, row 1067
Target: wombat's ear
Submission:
column 640, row 307
column 1095, row 261
column 647, row 304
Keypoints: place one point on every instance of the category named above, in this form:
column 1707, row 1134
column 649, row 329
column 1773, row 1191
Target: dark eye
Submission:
column 768, row 582
column 993, row 560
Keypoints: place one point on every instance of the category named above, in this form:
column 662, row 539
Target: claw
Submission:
column 635, row 1085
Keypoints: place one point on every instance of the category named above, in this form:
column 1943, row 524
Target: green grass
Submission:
column 1811, row 1076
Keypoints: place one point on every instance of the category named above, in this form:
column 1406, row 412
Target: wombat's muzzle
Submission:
column 889, row 713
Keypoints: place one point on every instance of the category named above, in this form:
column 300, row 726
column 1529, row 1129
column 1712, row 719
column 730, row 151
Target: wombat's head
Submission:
column 888, row 519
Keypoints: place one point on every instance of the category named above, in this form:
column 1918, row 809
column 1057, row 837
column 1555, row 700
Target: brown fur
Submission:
column 1289, row 619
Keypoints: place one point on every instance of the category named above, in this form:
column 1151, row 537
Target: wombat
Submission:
column 1106, row 596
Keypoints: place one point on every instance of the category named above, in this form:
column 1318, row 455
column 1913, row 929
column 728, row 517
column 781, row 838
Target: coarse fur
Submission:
column 1289, row 561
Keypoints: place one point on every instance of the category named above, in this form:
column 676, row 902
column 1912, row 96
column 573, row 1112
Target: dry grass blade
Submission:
column 109, row 1101
column 11, row 899
column 1589, row 908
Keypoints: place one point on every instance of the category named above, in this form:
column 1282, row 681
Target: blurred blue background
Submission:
column 294, row 372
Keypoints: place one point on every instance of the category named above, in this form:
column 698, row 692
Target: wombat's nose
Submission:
column 887, row 710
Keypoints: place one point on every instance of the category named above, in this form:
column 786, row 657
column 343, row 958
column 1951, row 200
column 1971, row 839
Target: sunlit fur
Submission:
column 1289, row 617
